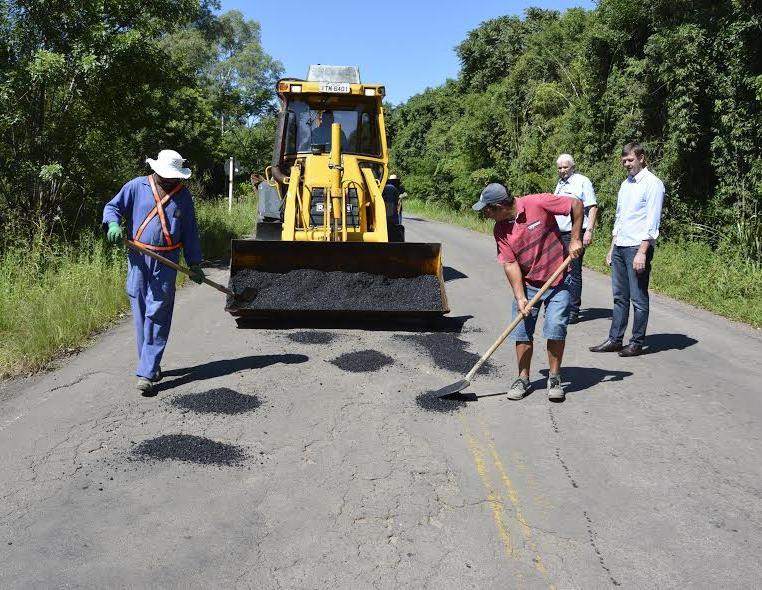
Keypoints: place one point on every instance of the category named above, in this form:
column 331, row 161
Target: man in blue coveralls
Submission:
column 159, row 216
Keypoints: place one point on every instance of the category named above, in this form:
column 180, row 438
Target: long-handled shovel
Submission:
column 138, row 248
column 465, row 382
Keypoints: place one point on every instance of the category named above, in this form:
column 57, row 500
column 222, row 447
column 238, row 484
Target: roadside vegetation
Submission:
column 87, row 92
column 54, row 294
column 683, row 78
column 689, row 270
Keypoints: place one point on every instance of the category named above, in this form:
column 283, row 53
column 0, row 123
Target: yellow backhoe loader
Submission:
column 330, row 167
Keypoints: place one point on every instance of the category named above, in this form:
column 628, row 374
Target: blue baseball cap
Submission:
column 492, row 193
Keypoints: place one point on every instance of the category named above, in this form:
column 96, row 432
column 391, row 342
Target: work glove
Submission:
column 114, row 233
column 198, row 274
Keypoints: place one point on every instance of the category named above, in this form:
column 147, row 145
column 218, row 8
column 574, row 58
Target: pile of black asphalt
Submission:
column 308, row 289
column 431, row 402
column 218, row 401
column 189, row 448
column 362, row 361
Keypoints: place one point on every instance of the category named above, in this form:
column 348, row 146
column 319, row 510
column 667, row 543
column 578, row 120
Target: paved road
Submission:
column 649, row 476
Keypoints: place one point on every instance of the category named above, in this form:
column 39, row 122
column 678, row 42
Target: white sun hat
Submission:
column 169, row 164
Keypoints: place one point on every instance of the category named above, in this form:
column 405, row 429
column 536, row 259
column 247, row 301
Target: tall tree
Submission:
column 684, row 77
column 88, row 89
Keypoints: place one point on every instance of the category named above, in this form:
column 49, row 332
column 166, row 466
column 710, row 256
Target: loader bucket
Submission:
column 398, row 269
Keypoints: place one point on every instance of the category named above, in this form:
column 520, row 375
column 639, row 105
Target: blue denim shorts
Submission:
column 556, row 303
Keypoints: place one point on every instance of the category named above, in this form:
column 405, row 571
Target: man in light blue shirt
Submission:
column 636, row 227
column 573, row 184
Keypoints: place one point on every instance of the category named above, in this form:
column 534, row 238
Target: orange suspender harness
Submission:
column 159, row 209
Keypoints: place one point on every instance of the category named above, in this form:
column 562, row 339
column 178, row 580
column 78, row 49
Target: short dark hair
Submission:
column 633, row 148
column 506, row 202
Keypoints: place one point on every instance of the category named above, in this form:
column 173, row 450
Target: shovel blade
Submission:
column 453, row 388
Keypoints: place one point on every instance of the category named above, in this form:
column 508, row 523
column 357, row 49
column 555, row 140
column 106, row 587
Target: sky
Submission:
column 406, row 45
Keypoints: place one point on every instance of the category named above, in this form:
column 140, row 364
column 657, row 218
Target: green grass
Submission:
column 728, row 285
column 54, row 296
column 217, row 227
column 439, row 212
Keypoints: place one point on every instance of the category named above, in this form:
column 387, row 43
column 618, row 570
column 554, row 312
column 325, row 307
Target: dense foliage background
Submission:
column 90, row 88
column 684, row 77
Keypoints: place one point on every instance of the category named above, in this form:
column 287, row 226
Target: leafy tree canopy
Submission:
column 684, row 78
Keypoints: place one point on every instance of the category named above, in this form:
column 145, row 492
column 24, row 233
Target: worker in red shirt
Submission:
column 530, row 248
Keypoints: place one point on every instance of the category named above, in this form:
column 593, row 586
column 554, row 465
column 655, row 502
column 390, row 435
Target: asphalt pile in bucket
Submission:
column 189, row 448
column 311, row 337
column 308, row 289
column 447, row 351
column 362, row 361
column 431, row 402
column 218, row 401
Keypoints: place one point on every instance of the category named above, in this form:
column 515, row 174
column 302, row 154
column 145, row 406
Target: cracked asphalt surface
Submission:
column 648, row 476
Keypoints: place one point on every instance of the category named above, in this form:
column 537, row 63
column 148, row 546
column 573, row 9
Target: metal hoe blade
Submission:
column 453, row 388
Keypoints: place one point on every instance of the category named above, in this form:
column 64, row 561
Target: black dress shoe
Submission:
column 631, row 350
column 608, row 346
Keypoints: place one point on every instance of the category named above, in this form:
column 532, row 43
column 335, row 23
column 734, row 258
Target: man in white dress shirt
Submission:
column 573, row 184
column 636, row 227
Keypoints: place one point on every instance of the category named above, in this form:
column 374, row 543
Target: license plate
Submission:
column 337, row 87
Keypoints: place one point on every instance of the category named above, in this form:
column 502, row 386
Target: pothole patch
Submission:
column 189, row 448
column 362, row 361
column 218, row 401
column 447, row 351
column 431, row 402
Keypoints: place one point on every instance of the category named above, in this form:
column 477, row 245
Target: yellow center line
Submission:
column 514, row 498
column 537, row 495
column 493, row 498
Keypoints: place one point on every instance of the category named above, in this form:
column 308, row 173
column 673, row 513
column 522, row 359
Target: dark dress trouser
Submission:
column 628, row 285
column 574, row 280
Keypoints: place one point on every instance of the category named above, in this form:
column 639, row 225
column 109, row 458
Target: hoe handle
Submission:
column 519, row 318
column 177, row 267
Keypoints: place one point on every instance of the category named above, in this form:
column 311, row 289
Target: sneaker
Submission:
column 555, row 389
column 145, row 386
column 157, row 377
column 519, row 389
column 573, row 318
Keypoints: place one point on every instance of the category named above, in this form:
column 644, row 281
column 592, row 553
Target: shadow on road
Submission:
column 576, row 379
column 452, row 274
column 471, row 397
column 226, row 367
column 408, row 218
column 437, row 324
column 594, row 313
column 662, row 342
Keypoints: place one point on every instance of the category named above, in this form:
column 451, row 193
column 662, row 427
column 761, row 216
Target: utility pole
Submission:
column 230, row 186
